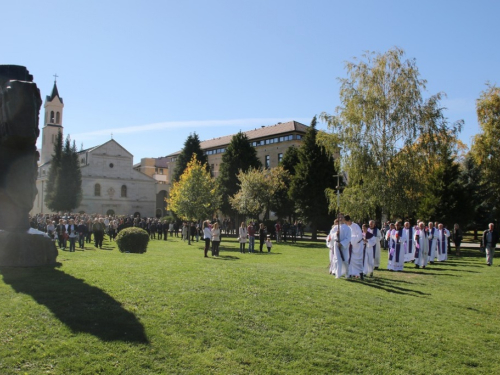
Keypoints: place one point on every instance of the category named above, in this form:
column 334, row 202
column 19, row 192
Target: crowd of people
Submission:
column 355, row 251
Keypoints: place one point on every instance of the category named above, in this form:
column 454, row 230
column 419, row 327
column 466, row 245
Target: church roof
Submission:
column 55, row 93
column 257, row 133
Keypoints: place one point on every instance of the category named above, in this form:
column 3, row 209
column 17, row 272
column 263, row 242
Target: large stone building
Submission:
column 110, row 184
column 270, row 142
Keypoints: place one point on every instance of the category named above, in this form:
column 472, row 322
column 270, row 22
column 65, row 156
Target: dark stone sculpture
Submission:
column 19, row 107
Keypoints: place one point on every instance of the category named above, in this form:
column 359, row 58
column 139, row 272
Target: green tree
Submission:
column 257, row 187
column 191, row 147
column 281, row 203
column 382, row 113
column 313, row 175
column 195, row 195
column 486, row 145
column 241, row 156
column 65, row 177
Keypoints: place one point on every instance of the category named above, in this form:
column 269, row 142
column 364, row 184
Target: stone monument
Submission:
column 19, row 108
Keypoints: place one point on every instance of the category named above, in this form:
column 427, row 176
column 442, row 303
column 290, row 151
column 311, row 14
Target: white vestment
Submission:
column 421, row 248
column 368, row 255
column 432, row 243
column 396, row 251
column 356, row 253
column 376, row 248
column 339, row 250
column 408, row 245
column 442, row 244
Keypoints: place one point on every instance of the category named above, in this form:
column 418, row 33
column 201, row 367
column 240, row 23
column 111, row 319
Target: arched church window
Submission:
column 124, row 191
column 51, row 117
column 97, row 190
column 58, row 117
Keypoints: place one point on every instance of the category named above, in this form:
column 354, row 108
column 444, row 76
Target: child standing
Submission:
column 269, row 244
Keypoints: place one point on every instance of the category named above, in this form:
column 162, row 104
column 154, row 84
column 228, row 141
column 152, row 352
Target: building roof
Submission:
column 257, row 133
column 55, row 93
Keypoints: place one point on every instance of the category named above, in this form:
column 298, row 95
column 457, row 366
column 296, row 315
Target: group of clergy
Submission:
column 355, row 250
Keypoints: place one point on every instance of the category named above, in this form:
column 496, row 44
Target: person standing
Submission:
column 72, row 231
column 396, row 253
column 215, row 239
column 489, row 242
column 82, row 233
column 251, row 237
column 165, row 230
column 356, row 248
column 61, row 233
column 207, row 235
column 368, row 244
column 262, row 235
column 408, row 234
column 338, row 241
column 442, row 243
column 98, row 229
column 421, row 239
column 243, row 234
column 432, row 235
column 457, row 239
column 376, row 248
column 269, row 244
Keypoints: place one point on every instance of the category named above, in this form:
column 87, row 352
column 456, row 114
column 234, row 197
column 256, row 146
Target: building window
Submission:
column 51, row 117
column 280, row 158
column 58, row 118
column 124, row 191
column 161, row 170
column 268, row 162
column 111, row 165
column 97, row 190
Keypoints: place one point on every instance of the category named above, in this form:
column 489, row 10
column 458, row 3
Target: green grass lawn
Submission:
column 171, row 311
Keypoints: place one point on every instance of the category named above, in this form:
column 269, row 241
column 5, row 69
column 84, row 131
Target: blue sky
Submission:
column 152, row 72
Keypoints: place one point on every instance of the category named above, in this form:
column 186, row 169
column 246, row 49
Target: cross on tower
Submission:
column 55, row 77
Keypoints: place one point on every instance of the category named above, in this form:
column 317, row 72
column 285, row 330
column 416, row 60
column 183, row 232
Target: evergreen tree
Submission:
column 281, row 203
column 313, row 175
column 64, row 191
column 240, row 155
column 191, row 147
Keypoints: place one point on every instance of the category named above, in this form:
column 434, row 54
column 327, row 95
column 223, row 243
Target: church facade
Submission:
column 110, row 184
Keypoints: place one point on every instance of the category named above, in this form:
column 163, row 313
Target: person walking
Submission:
column 215, row 239
column 207, row 235
column 489, row 242
column 262, row 235
column 251, row 237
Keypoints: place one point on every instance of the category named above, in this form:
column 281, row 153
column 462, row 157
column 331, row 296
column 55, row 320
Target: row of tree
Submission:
column 400, row 154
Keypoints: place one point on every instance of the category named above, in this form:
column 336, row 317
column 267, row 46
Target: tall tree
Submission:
column 486, row 145
column 241, row 156
column 195, row 195
column 64, row 188
column 313, row 175
column 382, row 113
column 281, row 203
column 258, row 186
column 191, row 147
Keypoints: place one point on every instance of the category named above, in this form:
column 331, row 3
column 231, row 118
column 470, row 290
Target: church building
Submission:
column 110, row 184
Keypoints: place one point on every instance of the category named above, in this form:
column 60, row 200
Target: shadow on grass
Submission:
column 389, row 286
column 433, row 268
column 81, row 307
column 226, row 257
column 308, row 245
column 410, row 271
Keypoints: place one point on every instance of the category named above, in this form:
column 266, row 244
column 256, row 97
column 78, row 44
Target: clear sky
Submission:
column 152, row 72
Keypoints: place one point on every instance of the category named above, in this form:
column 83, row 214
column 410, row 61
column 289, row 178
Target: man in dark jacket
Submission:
column 489, row 242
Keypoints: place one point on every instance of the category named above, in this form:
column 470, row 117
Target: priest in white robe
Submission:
column 396, row 250
column 338, row 241
column 377, row 234
column 409, row 247
column 442, row 243
column 356, row 249
column 368, row 243
column 432, row 242
column 421, row 240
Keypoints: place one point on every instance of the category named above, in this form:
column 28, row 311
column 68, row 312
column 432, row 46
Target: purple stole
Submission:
column 410, row 232
column 430, row 241
column 417, row 249
column 374, row 232
column 397, row 246
column 441, row 244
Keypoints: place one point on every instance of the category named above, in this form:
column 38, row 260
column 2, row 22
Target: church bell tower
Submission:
column 52, row 123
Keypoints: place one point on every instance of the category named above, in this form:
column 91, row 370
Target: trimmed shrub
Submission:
column 132, row 240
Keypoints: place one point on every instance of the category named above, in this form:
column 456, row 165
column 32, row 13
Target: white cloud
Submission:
column 194, row 124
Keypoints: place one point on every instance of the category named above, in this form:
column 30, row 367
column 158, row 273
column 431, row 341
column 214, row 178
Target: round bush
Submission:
column 132, row 240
